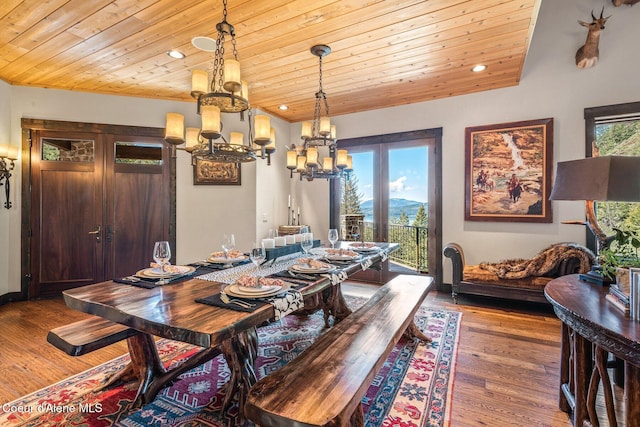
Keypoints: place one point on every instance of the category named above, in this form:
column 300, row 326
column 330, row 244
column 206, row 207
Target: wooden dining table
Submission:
column 171, row 311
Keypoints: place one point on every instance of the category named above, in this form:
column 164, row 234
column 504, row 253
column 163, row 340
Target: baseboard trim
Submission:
column 11, row 297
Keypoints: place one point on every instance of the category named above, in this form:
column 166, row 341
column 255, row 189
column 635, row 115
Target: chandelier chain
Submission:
column 218, row 67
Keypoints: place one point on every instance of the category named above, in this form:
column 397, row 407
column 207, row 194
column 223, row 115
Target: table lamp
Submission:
column 603, row 178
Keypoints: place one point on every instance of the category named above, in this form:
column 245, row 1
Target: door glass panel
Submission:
column 407, row 207
column 357, row 208
column 139, row 153
column 68, row 150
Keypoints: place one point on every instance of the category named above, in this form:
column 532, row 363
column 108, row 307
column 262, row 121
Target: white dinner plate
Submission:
column 157, row 273
column 337, row 257
column 359, row 248
column 223, row 260
column 258, row 290
column 234, row 291
column 304, row 268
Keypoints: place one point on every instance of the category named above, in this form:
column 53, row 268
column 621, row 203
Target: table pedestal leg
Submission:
column 631, row 395
column 599, row 376
column 582, row 368
column 566, row 402
column 335, row 303
column 146, row 363
column 240, row 352
column 413, row 331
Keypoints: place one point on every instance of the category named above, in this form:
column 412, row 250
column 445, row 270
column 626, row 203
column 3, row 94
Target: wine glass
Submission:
column 161, row 255
column 228, row 244
column 355, row 232
column 307, row 242
column 333, row 237
column 257, row 254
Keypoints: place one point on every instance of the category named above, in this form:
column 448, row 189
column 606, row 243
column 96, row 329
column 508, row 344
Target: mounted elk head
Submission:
column 587, row 55
column 617, row 3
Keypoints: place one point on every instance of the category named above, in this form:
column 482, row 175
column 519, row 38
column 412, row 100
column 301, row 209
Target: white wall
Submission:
column 6, row 216
column 551, row 86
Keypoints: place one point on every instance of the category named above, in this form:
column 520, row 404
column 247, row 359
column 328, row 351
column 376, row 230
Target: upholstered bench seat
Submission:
column 522, row 280
column 476, row 274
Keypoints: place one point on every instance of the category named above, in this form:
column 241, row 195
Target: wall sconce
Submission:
column 8, row 156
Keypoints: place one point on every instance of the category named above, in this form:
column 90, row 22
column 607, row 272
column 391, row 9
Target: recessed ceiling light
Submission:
column 479, row 68
column 283, row 107
column 204, row 43
column 176, row 54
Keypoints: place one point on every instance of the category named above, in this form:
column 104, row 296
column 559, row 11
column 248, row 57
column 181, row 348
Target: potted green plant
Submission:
column 623, row 253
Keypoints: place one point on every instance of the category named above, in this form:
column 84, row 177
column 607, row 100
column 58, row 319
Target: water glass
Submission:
column 307, row 242
column 333, row 237
column 257, row 254
column 228, row 244
column 161, row 255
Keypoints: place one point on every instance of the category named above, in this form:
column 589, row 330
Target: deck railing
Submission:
column 413, row 244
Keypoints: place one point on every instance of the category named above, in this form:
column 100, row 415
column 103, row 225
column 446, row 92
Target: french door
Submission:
column 96, row 202
column 394, row 193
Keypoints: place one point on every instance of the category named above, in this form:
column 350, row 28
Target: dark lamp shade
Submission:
column 605, row 178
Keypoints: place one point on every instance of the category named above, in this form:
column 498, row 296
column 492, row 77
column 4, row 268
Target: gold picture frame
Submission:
column 208, row 172
column 508, row 170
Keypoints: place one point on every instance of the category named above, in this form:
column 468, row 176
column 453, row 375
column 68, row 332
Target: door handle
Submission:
column 96, row 233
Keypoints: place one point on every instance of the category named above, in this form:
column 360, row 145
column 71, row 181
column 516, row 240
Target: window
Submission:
column 614, row 131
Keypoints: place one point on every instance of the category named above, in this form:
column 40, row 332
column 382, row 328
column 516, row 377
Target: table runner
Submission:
column 284, row 304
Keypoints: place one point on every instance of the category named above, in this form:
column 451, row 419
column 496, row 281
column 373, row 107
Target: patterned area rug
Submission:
column 412, row 390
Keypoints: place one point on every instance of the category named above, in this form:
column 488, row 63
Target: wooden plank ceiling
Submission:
column 384, row 52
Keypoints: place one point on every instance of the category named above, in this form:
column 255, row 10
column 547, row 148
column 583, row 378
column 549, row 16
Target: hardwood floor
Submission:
column 507, row 368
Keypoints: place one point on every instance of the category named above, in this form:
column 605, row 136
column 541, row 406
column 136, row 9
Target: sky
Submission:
column 407, row 173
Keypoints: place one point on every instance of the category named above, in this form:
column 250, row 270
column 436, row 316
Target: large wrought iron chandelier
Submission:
column 226, row 93
column 318, row 136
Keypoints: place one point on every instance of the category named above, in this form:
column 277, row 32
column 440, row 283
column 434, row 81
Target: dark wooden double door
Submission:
column 99, row 199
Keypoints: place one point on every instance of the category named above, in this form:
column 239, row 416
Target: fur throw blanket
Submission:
column 545, row 263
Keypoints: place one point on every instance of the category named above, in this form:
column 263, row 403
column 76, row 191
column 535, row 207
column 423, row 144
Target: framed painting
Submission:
column 508, row 170
column 208, row 172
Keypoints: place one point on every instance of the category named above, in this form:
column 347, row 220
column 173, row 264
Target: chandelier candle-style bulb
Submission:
column 301, row 164
column 12, row 152
column 210, row 121
column 199, row 83
column 349, row 167
column 236, row 138
column 174, row 129
column 341, row 160
column 262, row 126
column 306, row 130
column 325, row 126
column 232, row 75
column 271, row 146
column 192, row 137
column 312, row 157
column 244, row 90
column 327, row 164
column 333, row 132
column 4, row 150
column 292, row 159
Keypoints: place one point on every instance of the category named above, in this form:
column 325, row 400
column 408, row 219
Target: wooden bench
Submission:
column 87, row 335
column 325, row 384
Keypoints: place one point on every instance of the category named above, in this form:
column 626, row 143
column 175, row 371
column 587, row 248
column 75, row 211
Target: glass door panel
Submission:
column 358, row 207
column 406, row 207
